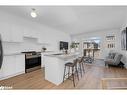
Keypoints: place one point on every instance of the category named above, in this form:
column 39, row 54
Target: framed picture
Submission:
column 110, row 40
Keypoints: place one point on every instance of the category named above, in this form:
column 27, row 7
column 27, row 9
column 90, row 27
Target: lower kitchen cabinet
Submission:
column 8, row 66
column 20, row 63
column 12, row 65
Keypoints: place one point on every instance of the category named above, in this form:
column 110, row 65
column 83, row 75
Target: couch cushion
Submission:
column 112, row 55
column 117, row 58
column 109, row 61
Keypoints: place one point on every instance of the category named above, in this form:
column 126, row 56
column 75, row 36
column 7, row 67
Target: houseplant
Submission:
column 74, row 46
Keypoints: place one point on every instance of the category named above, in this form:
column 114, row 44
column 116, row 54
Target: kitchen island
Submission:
column 54, row 66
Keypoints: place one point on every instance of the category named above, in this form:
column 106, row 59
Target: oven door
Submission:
column 33, row 62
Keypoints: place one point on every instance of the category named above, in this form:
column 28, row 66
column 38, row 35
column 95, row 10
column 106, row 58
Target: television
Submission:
column 124, row 39
column 63, row 45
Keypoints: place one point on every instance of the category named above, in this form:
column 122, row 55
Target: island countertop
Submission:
column 62, row 55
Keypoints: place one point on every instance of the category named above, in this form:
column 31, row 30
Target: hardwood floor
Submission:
column 90, row 80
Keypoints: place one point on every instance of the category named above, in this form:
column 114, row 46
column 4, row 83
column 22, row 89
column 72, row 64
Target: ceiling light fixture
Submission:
column 33, row 13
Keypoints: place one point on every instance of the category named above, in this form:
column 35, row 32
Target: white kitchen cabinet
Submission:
column 1, row 74
column 43, row 58
column 31, row 33
column 8, row 66
column 16, row 33
column 12, row 65
column 5, row 31
column 20, row 63
column 11, row 33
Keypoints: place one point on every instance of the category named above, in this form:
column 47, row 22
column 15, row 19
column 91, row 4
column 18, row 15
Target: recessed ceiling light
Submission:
column 33, row 13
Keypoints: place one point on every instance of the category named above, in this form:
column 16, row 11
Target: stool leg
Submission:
column 73, row 76
column 83, row 67
column 64, row 73
column 80, row 69
column 68, row 71
column 105, row 64
column 76, row 72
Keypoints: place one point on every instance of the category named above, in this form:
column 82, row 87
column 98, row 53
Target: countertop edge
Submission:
column 12, row 54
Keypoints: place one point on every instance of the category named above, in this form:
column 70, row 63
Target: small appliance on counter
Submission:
column 43, row 49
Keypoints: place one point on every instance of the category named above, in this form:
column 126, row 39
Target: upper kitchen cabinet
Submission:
column 5, row 31
column 16, row 33
column 11, row 33
column 28, row 32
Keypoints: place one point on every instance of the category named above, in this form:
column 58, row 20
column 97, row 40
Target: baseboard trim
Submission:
column 6, row 77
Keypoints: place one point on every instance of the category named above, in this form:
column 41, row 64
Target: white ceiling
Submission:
column 74, row 19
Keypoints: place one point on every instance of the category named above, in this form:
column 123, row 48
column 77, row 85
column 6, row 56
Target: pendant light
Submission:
column 33, row 13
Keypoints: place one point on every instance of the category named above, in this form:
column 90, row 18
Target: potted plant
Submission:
column 74, row 46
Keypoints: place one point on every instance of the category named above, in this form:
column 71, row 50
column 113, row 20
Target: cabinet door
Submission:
column 12, row 65
column 5, row 31
column 11, row 33
column 16, row 33
column 8, row 66
column 20, row 63
column 42, row 60
column 30, row 33
column 1, row 73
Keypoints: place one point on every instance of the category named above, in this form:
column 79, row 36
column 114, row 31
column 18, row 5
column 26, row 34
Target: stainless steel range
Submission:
column 32, row 61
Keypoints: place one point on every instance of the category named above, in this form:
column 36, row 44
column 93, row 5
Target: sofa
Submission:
column 114, row 59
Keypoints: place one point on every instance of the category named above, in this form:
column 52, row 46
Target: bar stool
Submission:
column 74, row 69
column 81, row 65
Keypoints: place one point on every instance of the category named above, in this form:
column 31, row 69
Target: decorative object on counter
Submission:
column 1, row 52
column 74, row 46
column 66, row 51
column 44, row 49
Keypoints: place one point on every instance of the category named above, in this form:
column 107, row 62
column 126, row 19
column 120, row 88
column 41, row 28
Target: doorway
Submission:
column 91, row 47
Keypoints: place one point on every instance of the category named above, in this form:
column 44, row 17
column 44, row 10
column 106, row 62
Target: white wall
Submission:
column 44, row 34
column 102, row 34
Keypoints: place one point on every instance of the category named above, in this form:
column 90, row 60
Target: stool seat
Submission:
column 70, row 64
